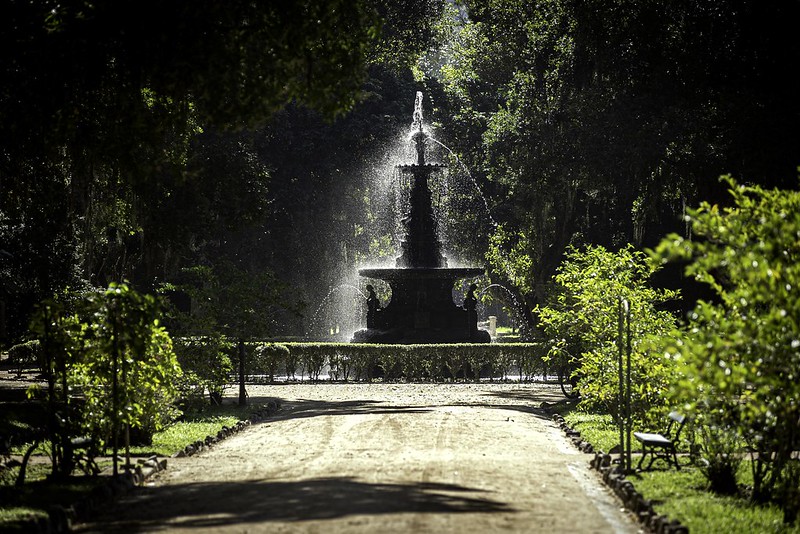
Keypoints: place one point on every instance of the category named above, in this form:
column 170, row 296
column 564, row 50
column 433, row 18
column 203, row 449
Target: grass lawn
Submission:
column 599, row 430
column 193, row 428
column 38, row 493
column 683, row 494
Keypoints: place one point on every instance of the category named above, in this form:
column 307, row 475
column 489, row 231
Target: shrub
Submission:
column 412, row 362
column 206, row 365
column 108, row 364
column 739, row 353
column 582, row 326
column 721, row 458
column 26, row 353
column 268, row 358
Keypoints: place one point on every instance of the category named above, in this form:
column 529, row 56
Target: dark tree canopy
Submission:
column 608, row 117
column 113, row 158
column 142, row 138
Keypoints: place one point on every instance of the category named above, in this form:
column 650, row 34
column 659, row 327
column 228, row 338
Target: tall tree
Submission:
column 596, row 121
column 100, row 102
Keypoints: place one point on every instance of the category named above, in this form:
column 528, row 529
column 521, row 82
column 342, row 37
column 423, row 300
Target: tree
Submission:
column 597, row 122
column 111, row 348
column 582, row 324
column 738, row 354
column 80, row 165
column 228, row 302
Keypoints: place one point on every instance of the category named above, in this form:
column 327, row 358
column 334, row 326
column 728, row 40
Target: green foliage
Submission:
column 206, row 365
column 721, row 458
column 228, row 303
column 228, row 300
column 583, row 325
column 108, row 364
column 509, row 253
column 126, row 344
column 26, row 353
column 411, row 362
column 596, row 122
column 269, row 357
column 139, row 165
column 738, row 354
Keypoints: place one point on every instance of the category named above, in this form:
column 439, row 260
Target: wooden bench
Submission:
column 84, row 450
column 662, row 445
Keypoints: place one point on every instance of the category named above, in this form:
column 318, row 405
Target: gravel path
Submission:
column 343, row 458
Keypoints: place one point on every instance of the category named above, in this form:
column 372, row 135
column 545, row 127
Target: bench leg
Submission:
column 653, row 458
column 675, row 459
column 641, row 459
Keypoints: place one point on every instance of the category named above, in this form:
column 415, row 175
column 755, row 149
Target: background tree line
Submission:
column 142, row 139
column 137, row 146
column 596, row 121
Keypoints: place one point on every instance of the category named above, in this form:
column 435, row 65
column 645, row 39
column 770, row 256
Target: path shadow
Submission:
column 209, row 505
column 305, row 408
column 534, row 396
column 533, row 402
column 541, row 403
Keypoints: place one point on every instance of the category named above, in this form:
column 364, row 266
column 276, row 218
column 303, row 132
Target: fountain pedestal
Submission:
column 421, row 309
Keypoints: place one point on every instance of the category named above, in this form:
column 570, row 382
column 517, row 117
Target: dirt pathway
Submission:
column 382, row 458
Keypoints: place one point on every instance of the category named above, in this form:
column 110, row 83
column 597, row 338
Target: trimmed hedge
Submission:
column 355, row 361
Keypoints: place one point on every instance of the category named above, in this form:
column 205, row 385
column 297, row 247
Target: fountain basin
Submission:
column 421, row 309
column 427, row 273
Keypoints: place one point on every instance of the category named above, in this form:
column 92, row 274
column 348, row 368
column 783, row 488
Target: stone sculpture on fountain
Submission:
column 421, row 309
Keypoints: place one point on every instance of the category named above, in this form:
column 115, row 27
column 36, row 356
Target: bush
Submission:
column 582, row 326
column 27, row 353
column 108, row 364
column 720, row 458
column 206, row 365
column 739, row 354
column 412, row 362
column 267, row 359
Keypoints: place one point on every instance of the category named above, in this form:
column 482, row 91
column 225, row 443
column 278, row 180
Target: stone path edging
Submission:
column 615, row 479
column 60, row 518
column 198, row 446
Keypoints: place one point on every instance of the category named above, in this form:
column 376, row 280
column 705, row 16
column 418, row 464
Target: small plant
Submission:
column 720, row 458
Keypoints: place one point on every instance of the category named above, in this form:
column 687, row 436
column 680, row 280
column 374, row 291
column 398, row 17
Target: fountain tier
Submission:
column 421, row 309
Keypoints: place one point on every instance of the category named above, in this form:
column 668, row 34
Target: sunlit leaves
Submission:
column 741, row 349
column 509, row 254
column 583, row 320
column 111, row 337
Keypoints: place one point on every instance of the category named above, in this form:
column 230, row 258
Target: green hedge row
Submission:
column 353, row 361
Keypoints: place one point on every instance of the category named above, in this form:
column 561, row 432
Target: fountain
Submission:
column 421, row 309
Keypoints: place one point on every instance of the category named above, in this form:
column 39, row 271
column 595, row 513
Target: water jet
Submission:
column 421, row 309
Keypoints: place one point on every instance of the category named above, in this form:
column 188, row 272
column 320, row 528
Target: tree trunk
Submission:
column 242, row 390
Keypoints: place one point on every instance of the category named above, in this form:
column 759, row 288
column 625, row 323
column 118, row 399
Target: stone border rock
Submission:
column 200, row 445
column 60, row 518
column 615, row 479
